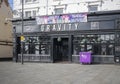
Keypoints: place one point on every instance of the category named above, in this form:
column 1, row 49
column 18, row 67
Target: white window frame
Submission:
column 28, row 1
column 28, row 12
column 33, row 12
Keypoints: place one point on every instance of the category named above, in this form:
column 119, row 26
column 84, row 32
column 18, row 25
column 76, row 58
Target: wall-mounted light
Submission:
column 59, row 39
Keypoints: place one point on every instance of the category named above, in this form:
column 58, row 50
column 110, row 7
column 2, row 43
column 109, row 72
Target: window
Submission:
column 92, row 8
column 30, row 45
column 27, row 1
column 97, row 44
column 58, row 10
column 118, row 23
column 34, row 12
column 20, row 1
column 37, row 45
column 34, row 0
column 57, row 0
column 20, row 14
column 28, row 14
column 30, row 1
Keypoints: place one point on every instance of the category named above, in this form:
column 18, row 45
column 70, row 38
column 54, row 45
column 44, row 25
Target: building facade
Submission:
column 6, row 48
column 62, row 37
column 49, row 7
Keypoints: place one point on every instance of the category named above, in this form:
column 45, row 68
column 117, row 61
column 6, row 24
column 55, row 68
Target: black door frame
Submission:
column 17, row 48
column 69, row 46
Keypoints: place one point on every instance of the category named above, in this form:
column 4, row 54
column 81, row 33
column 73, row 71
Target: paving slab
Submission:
column 58, row 73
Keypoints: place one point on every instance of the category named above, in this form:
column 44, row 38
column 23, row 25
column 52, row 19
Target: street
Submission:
column 58, row 73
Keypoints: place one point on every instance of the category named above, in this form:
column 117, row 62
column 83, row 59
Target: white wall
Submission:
column 69, row 6
column 111, row 5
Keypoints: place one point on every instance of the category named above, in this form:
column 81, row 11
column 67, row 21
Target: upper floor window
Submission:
column 57, row 0
column 34, row 12
column 30, row 1
column 28, row 14
column 92, row 8
column 27, row 1
column 34, row 0
column 20, row 1
column 58, row 10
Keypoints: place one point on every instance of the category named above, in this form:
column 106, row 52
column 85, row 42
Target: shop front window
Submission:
column 44, row 45
column 37, row 45
column 97, row 44
column 110, row 49
column 30, row 45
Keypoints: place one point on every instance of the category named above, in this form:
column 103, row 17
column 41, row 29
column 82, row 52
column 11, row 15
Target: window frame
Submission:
column 89, row 6
column 31, row 1
column 26, row 13
column 56, row 12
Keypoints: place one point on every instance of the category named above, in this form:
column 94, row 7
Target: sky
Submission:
column 11, row 3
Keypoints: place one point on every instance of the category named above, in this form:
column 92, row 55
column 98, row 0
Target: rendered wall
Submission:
column 5, row 30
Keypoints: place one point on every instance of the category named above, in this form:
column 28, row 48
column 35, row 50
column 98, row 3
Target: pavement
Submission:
column 58, row 73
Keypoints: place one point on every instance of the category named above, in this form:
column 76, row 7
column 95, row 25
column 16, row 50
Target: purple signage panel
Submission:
column 85, row 57
column 65, row 18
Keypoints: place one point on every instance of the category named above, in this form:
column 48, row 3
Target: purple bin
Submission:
column 85, row 57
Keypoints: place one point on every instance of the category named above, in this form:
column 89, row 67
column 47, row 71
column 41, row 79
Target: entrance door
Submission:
column 60, row 49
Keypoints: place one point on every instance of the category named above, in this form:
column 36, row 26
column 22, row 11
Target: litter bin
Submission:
column 85, row 57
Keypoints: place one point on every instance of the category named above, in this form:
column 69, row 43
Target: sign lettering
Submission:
column 59, row 27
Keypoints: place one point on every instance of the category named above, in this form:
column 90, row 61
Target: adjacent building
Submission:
column 6, row 48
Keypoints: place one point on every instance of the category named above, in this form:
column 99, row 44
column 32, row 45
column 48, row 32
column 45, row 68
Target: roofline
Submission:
column 112, row 12
column 20, row 19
